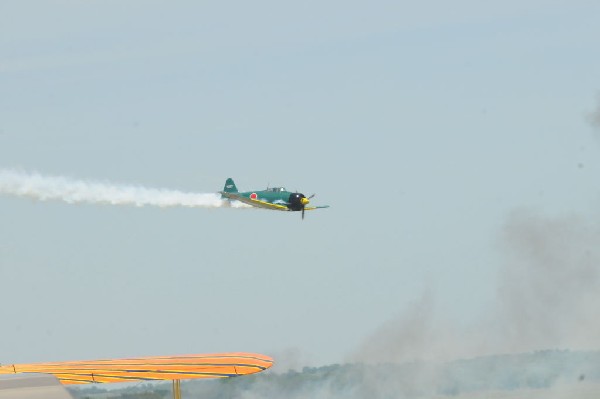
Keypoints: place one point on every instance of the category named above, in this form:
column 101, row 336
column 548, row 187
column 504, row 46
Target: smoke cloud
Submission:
column 547, row 298
column 548, row 295
column 594, row 117
column 44, row 188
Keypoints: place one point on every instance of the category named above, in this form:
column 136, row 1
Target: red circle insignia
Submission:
column 253, row 196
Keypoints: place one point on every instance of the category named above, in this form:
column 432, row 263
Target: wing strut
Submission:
column 176, row 389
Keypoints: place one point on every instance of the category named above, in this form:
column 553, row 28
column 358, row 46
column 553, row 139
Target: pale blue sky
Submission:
column 423, row 125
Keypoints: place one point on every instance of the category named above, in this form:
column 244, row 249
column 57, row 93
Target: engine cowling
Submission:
column 297, row 201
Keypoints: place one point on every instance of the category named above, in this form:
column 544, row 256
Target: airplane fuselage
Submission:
column 276, row 196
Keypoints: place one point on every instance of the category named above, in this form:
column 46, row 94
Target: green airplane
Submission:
column 276, row 198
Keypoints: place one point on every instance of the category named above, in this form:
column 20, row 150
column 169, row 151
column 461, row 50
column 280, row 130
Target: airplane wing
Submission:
column 312, row 208
column 220, row 365
column 257, row 203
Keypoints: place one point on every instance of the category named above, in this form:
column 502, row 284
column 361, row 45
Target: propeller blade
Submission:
column 302, row 213
column 311, row 196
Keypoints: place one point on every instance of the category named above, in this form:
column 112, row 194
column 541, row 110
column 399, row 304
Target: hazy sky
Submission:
column 425, row 126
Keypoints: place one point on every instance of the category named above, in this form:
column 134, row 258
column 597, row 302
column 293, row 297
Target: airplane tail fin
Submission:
column 230, row 186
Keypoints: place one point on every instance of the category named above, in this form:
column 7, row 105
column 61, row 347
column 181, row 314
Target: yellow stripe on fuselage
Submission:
column 256, row 203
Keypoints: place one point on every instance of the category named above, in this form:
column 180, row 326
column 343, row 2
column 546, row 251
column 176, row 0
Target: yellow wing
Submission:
column 219, row 365
column 312, row 208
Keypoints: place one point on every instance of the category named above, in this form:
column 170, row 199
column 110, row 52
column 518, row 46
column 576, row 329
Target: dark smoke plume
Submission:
column 547, row 298
column 594, row 117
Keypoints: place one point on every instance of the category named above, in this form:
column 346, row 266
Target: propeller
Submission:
column 298, row 202
column 304, row 201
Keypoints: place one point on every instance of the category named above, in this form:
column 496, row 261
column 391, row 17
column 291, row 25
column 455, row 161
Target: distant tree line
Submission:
column 541, row 369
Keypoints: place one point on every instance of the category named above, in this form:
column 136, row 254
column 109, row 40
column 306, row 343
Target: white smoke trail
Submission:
column 43, row 188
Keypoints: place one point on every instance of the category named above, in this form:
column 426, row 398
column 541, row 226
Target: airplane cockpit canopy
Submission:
column 277, row 189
